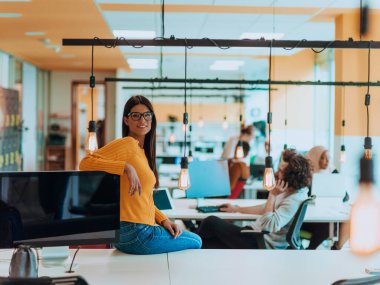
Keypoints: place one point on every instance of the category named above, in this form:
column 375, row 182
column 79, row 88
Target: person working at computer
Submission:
column 246, row 135
column 133, row 157
column 238, row 171
column 293, row 177
column 320, row 160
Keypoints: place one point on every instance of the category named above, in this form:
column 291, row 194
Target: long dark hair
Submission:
column 150, row 138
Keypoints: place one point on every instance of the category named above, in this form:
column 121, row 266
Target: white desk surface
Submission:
column 105, row 266
column 212, row 267
column 322, row 211
column 269, row 267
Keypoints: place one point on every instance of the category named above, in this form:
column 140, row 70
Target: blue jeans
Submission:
column 145, row 239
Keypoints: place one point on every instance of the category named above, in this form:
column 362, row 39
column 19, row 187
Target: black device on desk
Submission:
column 208, row 209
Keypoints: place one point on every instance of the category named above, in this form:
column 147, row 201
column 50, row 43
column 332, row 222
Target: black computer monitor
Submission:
column 63, row 207
column 208, row 179
column 257, row 170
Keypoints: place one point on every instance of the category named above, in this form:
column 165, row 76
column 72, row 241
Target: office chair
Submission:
column 235, row 192
column 359, row 281
column 69, row 280
column 293, row 235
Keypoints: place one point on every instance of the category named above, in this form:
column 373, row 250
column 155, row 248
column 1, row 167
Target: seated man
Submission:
column 293, row 177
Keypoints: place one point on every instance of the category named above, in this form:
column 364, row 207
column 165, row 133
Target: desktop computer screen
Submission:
column 63, row 207
column 208, row 179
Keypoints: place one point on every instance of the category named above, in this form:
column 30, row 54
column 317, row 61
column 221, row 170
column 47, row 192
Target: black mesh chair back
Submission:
column 293, row 235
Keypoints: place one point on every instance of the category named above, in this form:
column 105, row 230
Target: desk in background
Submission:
column 324, row 211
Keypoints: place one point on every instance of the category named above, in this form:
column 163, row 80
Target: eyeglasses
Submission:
column 136, row 116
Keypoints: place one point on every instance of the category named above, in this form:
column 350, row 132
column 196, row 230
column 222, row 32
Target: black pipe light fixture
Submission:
column 342, row 155
column 184, row 177
column 269, row 181
column 365, row 212
column 91, row 141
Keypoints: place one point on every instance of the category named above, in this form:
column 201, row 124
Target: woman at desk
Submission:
column 238, row 171
column 133, row 158
column 293, row 177
column 320, row 161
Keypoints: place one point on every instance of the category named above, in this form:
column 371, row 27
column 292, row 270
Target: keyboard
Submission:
column 208, row 209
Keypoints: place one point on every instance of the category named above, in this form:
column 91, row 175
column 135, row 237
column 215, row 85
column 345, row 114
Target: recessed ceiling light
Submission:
column 226, row 64
column 267, row 36
column 129, row 34
column 34, row 34
column 10, row 15
column 143, row 63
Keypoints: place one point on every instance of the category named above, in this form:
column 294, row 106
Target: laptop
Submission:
column 162, row 199
column 327, row 185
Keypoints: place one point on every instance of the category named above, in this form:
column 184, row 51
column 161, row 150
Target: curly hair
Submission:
column 298, row 171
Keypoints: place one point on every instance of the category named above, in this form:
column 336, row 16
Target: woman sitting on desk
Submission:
column 293, row 177
column 320, row 161
column 143, row 228
column 238, row 171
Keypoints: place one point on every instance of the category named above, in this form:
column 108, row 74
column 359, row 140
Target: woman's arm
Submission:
column 254, row 210
column 105, row 159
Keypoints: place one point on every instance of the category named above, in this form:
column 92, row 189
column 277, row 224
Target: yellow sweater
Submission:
column 112, row 158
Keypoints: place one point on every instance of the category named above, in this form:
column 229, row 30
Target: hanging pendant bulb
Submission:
column 91, row 141
column 184, row 177
column 365, row 213
column 269, row 181
column 368, row 148
column 225, row 123
column 172, row 138
column 342, row 157
column 190, row 156
column 239, row 150
column 201, row 123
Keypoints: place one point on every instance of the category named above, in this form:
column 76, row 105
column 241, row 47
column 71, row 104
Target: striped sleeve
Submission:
column 105, row 159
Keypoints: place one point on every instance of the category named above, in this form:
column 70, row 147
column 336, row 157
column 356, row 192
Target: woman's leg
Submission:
column 147, row 239
column 344, row 232
column 217, row 233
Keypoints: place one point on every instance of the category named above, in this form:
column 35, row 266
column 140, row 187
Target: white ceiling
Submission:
column 220, row 26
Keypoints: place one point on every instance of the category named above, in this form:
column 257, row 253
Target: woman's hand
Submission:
column 281, row 187
column 134, row 181
column 173, row 228
column 227, row 207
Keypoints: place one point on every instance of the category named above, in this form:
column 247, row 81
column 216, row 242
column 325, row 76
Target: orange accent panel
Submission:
column 206, row 9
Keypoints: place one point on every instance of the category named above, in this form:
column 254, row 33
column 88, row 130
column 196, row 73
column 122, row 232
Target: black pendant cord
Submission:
column 368, row 96
column 185, row 115
column 361, row 19
column 343, row 113
column 286, row 115
column 92, row 83
column 162, row 36
column 269, row 118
